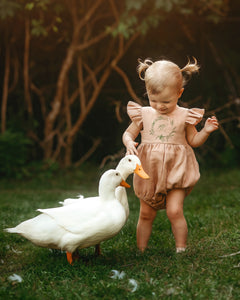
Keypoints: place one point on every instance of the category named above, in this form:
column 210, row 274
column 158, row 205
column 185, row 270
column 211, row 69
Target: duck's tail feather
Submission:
column 12, row 230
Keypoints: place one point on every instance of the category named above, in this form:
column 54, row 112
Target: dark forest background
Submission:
column 68, row 69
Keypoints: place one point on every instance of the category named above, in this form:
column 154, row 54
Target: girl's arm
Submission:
column 195, row 138
column 129, row 137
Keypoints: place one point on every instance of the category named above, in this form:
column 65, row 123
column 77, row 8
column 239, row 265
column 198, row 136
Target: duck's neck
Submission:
column 106, row 193
column 122, row 171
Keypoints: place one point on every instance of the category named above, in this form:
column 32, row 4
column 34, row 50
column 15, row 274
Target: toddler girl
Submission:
column 168, row 134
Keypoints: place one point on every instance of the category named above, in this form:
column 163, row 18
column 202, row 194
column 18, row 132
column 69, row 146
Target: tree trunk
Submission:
column 5, row 88
column 68, row 152
column 27, row 94
column 56, row 105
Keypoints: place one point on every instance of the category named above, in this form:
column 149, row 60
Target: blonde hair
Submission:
column 162, row 73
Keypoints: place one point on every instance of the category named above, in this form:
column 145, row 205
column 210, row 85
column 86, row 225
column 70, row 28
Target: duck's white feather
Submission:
column 71, row 200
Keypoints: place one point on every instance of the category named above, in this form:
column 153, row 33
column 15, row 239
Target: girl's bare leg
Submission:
column 144, row 227
column 174, row 209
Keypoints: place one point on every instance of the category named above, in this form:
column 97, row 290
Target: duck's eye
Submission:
column 129, row 160
column 117, row 174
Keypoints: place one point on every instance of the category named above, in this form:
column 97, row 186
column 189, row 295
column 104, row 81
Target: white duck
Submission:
column 127, row 165
column 85, row 223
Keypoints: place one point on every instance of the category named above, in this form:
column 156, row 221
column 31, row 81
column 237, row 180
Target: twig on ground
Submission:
column 232, row 254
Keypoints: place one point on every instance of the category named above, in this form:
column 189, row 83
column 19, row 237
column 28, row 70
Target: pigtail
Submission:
column 189, row 69
column 142, row 67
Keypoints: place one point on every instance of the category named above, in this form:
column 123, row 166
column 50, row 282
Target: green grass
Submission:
column 212, row 213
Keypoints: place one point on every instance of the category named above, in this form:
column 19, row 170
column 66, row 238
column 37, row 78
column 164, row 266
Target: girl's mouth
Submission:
column 162, row 110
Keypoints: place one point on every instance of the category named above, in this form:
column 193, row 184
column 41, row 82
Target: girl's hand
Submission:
column 211, row 125
column 131, row 148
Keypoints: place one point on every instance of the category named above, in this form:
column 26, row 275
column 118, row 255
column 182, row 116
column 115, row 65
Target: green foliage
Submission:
column 8, row 8
column 155, row 4
column 142, row 15
column 39, row 10
column 39, row 4
column 42, row 170
column 39, row 25
column 37, row 28
column 16, row 159
column 14, row 150
column 202, row 272
column 135, row 4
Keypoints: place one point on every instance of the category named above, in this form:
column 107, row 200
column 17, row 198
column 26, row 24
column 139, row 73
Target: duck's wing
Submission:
column 76, row 214
column 106, row 223
column 98, row 218
column 69, row 201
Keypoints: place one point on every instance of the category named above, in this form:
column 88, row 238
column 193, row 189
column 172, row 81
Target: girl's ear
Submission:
column 180, row 93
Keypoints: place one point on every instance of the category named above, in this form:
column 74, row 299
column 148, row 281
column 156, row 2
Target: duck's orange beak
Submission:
column 140, row 172
column 125, row 184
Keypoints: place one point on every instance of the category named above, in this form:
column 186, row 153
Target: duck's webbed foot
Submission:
column 71, row 257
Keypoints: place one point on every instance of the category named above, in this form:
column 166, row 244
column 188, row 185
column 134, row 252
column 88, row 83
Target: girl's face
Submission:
column 165, row 102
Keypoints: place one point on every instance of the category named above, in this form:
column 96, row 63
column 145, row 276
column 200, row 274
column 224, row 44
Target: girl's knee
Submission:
column 147, row 213
column 146, row 216
column 175, row 213
column 174, row 207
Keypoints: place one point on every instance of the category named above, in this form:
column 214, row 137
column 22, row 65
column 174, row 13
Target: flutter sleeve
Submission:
column 194, row 116
column 134, row 111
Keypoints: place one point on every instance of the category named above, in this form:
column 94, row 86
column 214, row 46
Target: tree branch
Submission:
column 37, row 91
column 230, row 119
column 81, row 84
column 227, row 138
column 91, row 74
column 128, row 84
column 61, row 143
column 92, row 41
column 114, row 10
column 218, row 109
column 67, row 110
column 101, row 82
column 87, row 16
column 96, row 143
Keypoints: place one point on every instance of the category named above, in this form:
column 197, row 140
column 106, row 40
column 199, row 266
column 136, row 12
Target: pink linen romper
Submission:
column 164, row 152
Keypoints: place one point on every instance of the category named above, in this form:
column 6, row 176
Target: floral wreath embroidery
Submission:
column 163, row 128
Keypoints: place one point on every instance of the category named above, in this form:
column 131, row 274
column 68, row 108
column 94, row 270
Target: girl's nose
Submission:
column 161, row 106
